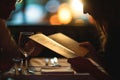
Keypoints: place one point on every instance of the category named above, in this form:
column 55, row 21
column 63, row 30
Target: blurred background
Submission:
column 53, row 16
column 50, row 12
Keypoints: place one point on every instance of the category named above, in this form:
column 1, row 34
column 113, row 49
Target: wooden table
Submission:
column 62, row 72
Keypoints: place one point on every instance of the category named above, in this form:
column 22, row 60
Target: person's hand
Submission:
column 80, row 64
column 88, row 45
column 93, row 53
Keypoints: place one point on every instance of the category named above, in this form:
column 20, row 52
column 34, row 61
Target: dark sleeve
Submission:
column 8, row 48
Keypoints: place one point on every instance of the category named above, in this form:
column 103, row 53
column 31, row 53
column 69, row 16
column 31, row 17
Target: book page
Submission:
column 69, row 43
column 53, row 45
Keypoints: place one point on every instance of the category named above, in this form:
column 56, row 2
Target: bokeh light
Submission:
column 52, row 6
column 76, row 7
column 64, row 14
column 34, row 13
column 54, row 20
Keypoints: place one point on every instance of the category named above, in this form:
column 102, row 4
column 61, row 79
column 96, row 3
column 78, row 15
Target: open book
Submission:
column 60, row 44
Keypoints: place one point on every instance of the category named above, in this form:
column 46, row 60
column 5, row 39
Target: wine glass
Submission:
column 25, row 49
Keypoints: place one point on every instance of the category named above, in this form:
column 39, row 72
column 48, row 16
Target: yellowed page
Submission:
column 60, row 44
column 69, row 43
column 53, row 45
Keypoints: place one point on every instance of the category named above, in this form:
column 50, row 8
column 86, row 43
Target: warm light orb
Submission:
column 64, row 14
column 54, row 20
column 76, row 7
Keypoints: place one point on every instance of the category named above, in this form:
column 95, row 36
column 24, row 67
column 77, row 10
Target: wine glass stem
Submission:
column 26, row 63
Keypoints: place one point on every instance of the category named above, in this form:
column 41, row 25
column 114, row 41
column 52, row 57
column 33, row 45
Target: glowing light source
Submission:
column 54, row 20
column 52, row 6
column 34, row 13
column 64, row 14
column 17, row 19
column 76, row 7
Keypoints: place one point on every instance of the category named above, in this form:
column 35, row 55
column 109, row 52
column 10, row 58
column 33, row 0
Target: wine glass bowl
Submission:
column 23, row 43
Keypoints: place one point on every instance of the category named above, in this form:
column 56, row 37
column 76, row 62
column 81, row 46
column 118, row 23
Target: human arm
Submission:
column 89, row 64
column 8, row 48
